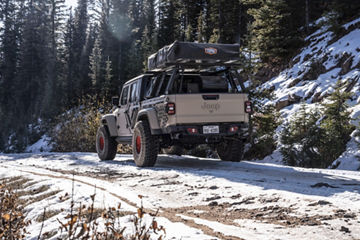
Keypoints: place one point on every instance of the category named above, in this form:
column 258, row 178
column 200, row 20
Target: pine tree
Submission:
column 336, row 124
column 52, row 97
column 135, row 53
column 81, row 48
column 301, row 139
column 120, row 30
column 274, row 39
column 262, row 125
column 225, row 21
column 201, row 34
column 9, row 53
column 32, row 77
column 346, row 9
column 169, row 22
column 95, row 66
column 148, row 41
column 68, row 84
column 106, row 89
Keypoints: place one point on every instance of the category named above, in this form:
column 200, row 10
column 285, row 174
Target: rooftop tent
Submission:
column 195, row 54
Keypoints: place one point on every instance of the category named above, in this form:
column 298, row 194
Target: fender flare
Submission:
column 150, row 115
column 109, row 120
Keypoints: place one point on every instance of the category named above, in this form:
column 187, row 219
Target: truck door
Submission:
column 122, row 119
column 134, row 104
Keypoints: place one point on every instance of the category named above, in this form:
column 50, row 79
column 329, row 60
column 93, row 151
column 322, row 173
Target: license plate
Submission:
column 210, row 129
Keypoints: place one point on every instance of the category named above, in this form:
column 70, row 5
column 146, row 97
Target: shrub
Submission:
column 301, row 139
column 76, row 129
column 265, row 122
column 12, row 218
column 317, row 138
column 336, row 125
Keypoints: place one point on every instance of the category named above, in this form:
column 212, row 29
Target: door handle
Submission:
column 210, row 97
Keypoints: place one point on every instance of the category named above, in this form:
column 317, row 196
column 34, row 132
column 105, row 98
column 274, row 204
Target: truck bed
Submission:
column 208, row 108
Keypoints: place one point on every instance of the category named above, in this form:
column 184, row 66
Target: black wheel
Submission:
column 174, row 150
column 106, row 146
column 145, row 146
column 230, row 150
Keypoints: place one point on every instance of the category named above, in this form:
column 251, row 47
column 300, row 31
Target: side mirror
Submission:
column 115, row 101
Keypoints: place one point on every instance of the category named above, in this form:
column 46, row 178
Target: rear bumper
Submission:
column 181, row 133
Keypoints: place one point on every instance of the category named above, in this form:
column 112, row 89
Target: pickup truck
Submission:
column 176, row 107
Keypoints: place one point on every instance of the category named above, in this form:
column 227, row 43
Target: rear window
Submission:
column 201, row 84
column 215, row 84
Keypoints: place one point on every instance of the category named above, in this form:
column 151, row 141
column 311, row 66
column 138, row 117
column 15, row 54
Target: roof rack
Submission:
column 194, row 55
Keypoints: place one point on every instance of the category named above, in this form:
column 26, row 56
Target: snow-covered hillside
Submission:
column 314, row 72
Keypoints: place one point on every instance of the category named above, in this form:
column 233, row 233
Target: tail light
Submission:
column 248, row 107
column 192, row 130
column 170, row 108
column 233, row 129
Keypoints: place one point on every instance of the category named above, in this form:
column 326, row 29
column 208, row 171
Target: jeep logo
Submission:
column 211, row 107
column 211, row 51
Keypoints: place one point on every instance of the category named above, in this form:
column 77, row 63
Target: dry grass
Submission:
column 46, row 215
column 13, row 221
column 82, row 222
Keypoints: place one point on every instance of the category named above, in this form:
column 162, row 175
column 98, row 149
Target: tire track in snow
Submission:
column 162, row 213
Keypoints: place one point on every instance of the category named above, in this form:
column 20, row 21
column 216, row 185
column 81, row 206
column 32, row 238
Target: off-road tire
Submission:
column 230, row 150
column 174, row 150
column 145, row 146
column 106, row 146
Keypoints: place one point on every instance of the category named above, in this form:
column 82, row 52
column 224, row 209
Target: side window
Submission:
column 133, row 95
column 124, row 95
column 150, row 87
column 164, row 85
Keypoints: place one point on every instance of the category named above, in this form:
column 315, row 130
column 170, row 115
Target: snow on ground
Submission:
column 42, row 145
column 338, row 59
column 198, row 198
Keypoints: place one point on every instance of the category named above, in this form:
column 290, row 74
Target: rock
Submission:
column 344, row 229
column 236, row 196
column 323, row 202
column 213, row 187
column 349, row 215
column 213, row 204
column 307, row 57
column 294, row 82
column 352, row 84
column 321, row 184
column 193, row 194
column 281, row 104
column 316, row 98
column 315, row 69
column 212, row 198
column 287, row 102
column 295, row 61
column 320, row 202
column 346, row 66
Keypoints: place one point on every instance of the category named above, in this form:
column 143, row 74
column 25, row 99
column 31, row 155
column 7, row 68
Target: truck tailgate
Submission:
column 208, row 108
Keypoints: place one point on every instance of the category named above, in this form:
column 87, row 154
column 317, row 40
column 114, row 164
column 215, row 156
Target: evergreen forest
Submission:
column 53, row 55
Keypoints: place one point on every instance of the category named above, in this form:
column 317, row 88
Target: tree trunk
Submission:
column 307, row 16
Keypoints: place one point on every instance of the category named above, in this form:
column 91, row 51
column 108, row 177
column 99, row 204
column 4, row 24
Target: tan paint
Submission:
column 192, row 108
